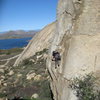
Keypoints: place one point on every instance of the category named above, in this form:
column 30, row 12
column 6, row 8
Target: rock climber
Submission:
column 57, row 58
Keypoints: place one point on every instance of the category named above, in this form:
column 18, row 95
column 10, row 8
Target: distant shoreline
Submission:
column 6, row 44
column 14, row 38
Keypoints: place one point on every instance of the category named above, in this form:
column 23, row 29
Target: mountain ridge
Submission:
column 18, row 34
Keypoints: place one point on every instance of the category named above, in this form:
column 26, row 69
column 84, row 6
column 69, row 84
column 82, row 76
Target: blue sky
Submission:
column 26, row 14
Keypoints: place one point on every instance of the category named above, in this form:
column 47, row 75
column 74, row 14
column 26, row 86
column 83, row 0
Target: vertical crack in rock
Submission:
column 95, row 62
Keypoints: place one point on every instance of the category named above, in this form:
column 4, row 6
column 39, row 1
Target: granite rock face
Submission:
column 77, row 39
column 39, row 42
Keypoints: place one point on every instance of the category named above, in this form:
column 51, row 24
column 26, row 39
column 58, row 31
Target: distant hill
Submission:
column 17, row 34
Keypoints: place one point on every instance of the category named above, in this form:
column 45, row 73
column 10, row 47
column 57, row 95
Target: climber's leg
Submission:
column 56, row 64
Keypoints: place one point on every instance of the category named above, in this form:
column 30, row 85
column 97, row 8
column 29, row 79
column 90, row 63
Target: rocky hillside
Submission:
column 29, row 80
column 39, row 42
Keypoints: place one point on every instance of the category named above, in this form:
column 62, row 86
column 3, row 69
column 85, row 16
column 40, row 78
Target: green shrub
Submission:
column 45, row 91
column 32, row 99
column 2, row 95
column 85, row 88
column 41, row 52
column 26, row 62
column 10, row 51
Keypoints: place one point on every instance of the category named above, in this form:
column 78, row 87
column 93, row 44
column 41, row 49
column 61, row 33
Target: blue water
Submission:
column 14, row 43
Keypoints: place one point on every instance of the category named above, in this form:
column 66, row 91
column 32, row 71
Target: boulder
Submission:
column 37, row 77
column 30, row 76
column 3, row 77
column 34, row 96
column 0, row 82
column 4, row 84
column 11, row 73
column 2, row 98
column 32, row 60
column 19, row 75
column 39, row 56
column 2, row 70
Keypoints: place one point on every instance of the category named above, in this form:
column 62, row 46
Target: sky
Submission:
column 26, row 14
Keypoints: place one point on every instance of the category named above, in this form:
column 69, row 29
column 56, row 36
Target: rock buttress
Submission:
column 39, row 42
column 77, row 39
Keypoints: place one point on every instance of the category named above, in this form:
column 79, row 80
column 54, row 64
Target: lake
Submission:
column 14, row 43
